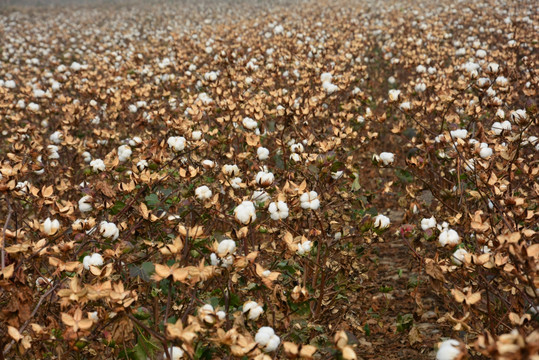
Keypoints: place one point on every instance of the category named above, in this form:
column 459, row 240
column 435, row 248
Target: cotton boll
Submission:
column 309, row 200
column 428, row 223
column 296, row 148
column 260, row 196
column 330, row 88
column 196, row 135
column 485, row 152
column 394, row 95
column 381, row 222
column 249, row 123
column 295, row 157
column 326, row 77
column 449, row 350
column 252, row 310
column 304, row 248
column 97, row 165
column 87, row 157
column 405, row 106
column 226, row 247
column 458, row 256
column 267, row 339
column 498, row 127
column 459, row 134
column 50, row 227
column 124, row 153
column 449, row 237
column 337, row 174
column 56, row 137
column 262, row 153
column 245, row 212
column 208, row 164
column 235, row 183
column 142, row 164
column 53, row 152
column 518, row 116
column 419, row 88
column 264, row 179
column 278, row 210
column 203, row 193
column 177, row 143
column 387, row 158
column 231, row 170
column 109, row 230
column 85, row 204
column 175, row 352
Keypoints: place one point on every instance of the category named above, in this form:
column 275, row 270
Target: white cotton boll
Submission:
column 56, row 137
column 50, row 227
column 203, row 193
column 500, row 113
column 485, row 152
column 304, row 248
column 252, row 310
column 267, row 339
column 518, row 115
column 387, row 158
column 428, row 223
column 10, row 84
column 208, row 164
column 296, row 148
column 278, row 210
column 109, row 230
column 214, row 259
column 245, row 212
column 459, row 134
column 449, row 237
column 142, row 164
column 458, row 256
column 175, row 352
column 196, row 135
column 493, row 67
column 75, row 66
column 381, row 222
column 394, row 95
column 177, row 143
column 249, row 123
column 260, row 196
column 38, row 93
column 502, row 81
column 231, row 170
column 87, row 157
column 295, row 157
column 449, row 350
column 221, row 314
column 132, row 108
column 53, row 152
column 264, row 179
column 481, row 53
column 419, row 88
column 21, row 104
column 330, row 88
column 84, row 204
column 262, row 153
column 405, row 106
column 279, row 29
column 420, row 69
column 226, row 247
column 97, row 165
column 335, row 175
column 483, row 82
column 309, row 200
column 210, row 76
column 235, row 183
column 498, row 127
column 326, row 77
column 124, row 153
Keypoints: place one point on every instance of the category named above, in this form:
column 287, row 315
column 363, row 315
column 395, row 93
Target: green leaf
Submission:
column 152, row 200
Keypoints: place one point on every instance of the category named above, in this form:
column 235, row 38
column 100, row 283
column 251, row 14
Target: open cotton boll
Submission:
column 196, row 135
column 278, row 210
column 84, row 204
column 97, row 165
column 124, row 153
column 428, row 223
column 226, row 247
column 260, row 196
column 177, row 143
column 109, row 230
column 231, row 170
column 326, row 77
column 208, row 164
column 309, row 200
column 262, row 153
column 387, row 158
column 459, row 134
column 245, row 212
column 267, row 339
column 53, row 152
column 252, row 310
column 449, row 237
column 175, row 352
column 304, row 248
column 203, row 193
column 449, row 350
column 210, row 76
column 87, row 157
column 50, row 227
column 394, row 95
column 498, row 127
column 458, row 256
column 485, row 152
column 56, row 137
column 381, row 222
column 249, row 123
column 236, row 183
column 335, row 175
column 330, row 88
column 33, row 107
column 264, row 179
column 518, row 116
column 296, row 148
column 142, row 164
column 92, row 260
